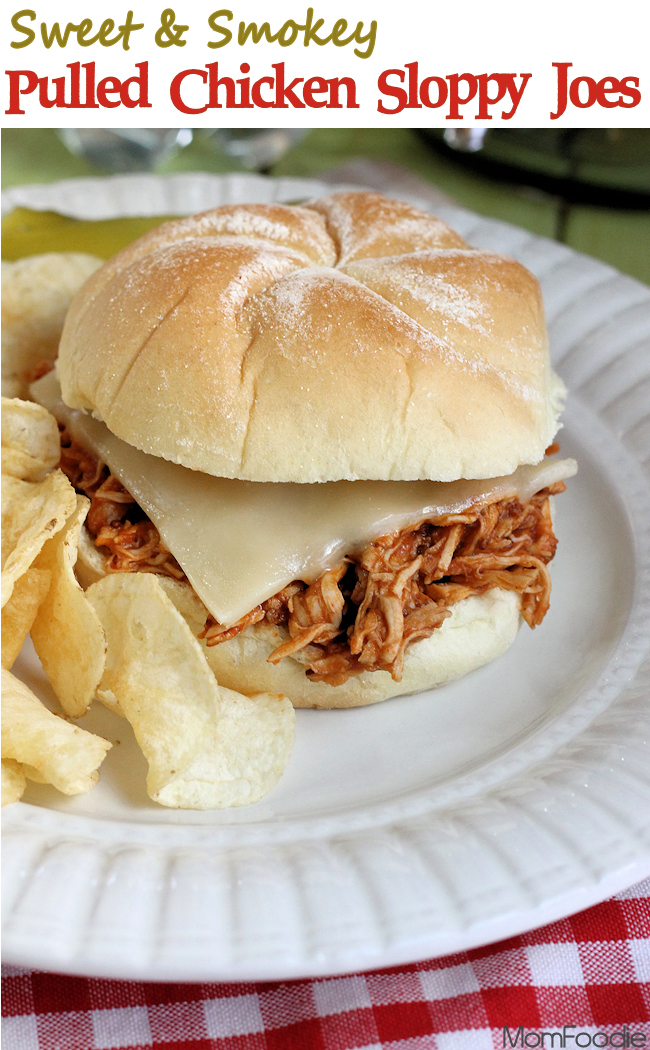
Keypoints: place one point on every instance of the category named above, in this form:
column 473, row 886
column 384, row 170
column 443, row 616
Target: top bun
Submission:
column 353, row 338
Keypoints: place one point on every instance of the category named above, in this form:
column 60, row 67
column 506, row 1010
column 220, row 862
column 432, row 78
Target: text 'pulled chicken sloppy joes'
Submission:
column 326, row 425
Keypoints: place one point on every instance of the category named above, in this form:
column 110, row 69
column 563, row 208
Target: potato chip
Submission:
column 30, row 440
column 36, row 294
column 32, row 512
column 33, row 774
column 181, row 594
column 67, row 634
column 19, row 612
column 13, row 781
column 207, row 747
column 91, row 562
column 184, row 597
column 60, row 753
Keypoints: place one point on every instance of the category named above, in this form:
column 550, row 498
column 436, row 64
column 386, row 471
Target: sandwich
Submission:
column 329, row 429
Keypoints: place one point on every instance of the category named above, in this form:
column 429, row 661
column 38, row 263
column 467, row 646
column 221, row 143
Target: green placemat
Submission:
column 618, row 237
column 26, row 232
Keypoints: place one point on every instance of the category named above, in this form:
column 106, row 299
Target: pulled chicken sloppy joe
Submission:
column 323, row 427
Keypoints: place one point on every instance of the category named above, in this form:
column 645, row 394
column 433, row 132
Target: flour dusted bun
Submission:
column 353, row 338
column 479, row 629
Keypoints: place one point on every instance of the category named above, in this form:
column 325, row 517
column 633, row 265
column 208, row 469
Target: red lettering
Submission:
column 605, row 87
column 15, row 90
column 390, row 89
column 256, row 91
column 75, row 84
column 443, row 91
column 175, row 89
column 351, row 93
column 282, row 93
column 315, row 85
column 514, row 92
column 245, row 85
column 562, row 76
column 108, row 86
column 455, row 99
column 59, row 93
column 413, row 85
column 90, row 86
column 599, row 93
column 574, row 92
column 630, row 92
column 142, row 82
column 485, row 99
column 215, row 84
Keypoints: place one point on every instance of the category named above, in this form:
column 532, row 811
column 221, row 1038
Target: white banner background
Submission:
column 600, row 39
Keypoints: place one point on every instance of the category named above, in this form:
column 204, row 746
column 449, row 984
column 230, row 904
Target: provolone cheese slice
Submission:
column 239, row 542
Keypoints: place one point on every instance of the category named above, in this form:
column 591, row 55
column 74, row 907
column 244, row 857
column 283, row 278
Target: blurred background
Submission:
column 588, row 188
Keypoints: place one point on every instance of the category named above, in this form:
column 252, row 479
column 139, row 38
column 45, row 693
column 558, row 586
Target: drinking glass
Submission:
column 125, row 149
column 256, row 149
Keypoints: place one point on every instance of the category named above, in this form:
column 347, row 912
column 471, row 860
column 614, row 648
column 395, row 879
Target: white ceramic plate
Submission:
column 424, row 825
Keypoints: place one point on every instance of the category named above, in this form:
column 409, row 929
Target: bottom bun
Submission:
column 479, row 629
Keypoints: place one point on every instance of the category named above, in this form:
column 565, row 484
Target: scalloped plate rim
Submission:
column 508, row 923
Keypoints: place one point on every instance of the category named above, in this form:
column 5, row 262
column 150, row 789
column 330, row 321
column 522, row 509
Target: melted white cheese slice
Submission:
column 239, row 542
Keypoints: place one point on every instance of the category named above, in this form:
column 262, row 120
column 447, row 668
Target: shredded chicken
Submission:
column 115, row 521
column 364, row 613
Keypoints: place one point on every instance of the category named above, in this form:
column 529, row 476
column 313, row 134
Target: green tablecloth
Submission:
column 621, row 238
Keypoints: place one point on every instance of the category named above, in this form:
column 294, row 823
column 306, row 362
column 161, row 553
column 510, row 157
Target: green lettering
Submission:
column 124, row 31
column 288, row 33
column 29, row 33
column 311, row 30
column 256, row 34
column 226, row 33
column 370, row 39
column 83, row 28
column 56, row 34
column 339, row 28
column 105, row 29
column 293, row 29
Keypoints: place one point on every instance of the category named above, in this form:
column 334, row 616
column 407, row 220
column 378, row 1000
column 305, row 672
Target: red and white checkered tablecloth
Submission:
column 591, row 971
